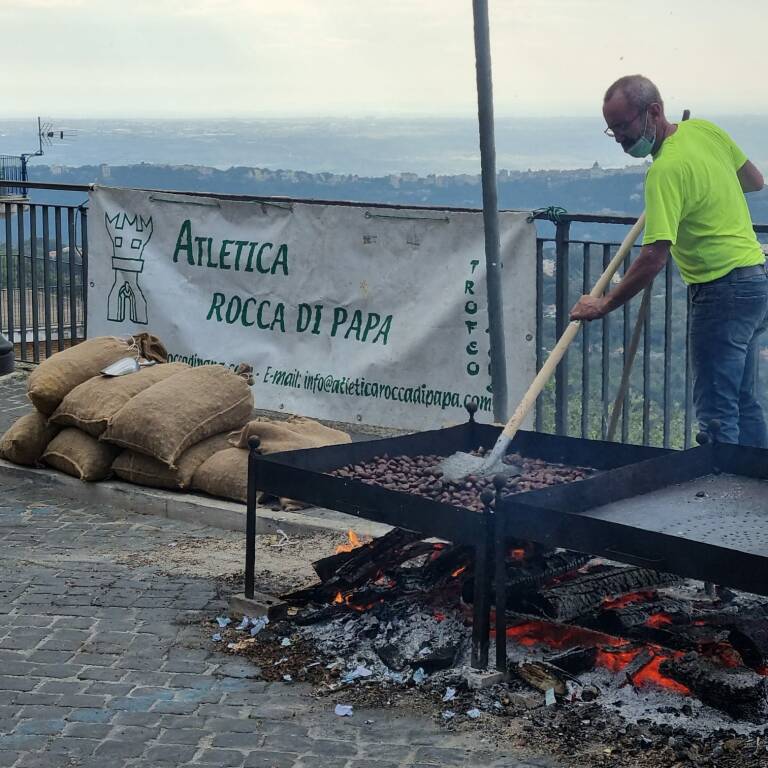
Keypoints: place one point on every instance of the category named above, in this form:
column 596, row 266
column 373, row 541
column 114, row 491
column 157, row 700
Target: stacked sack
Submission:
column 165, row 426
column 36, row 438
column 225, row 473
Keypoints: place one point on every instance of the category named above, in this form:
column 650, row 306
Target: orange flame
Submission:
column 354, row 543
column 518, row 553
column 459, row 571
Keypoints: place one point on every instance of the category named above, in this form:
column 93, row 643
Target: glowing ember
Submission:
column 439, row 616
column 339, row 599
column 354, row 543
column 557, row 636
column 615, row 603
column 650, row 674
column 725, row 654
column 658, row 620
column 459, row 571
column 616, row 659
column 517, row 554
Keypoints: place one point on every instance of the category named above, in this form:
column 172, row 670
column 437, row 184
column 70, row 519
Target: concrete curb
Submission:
column 188, row 507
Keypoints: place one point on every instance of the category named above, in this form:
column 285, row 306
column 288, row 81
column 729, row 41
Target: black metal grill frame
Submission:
column 303, row 475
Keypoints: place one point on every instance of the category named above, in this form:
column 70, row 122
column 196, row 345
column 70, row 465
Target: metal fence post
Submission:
column 562, row 307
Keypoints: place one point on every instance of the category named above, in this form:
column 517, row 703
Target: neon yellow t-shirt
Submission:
column 693, row 199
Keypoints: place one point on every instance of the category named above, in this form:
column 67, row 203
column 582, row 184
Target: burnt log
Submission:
column 588, row 594
column 327, row 567
column 740, row 693
column 574, row 661
column 750, row 638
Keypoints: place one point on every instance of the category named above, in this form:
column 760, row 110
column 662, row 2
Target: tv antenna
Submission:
column 47, row 135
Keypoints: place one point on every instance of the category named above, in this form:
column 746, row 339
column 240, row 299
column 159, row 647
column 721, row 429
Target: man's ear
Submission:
column 655, row 110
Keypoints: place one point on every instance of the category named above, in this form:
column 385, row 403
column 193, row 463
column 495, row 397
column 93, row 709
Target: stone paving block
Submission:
column 43, row 727
column 59, row 686
column 59, row 671
column 245, row 741
column 175, row 707
column 324, row 747
column 88, row 730
column 107, row 688
column 16, row 683
column 175, row 753
column 101, row 674
column 145, row 719
column 91, row 716
column 372, row 764
column 271, row 760
column 113, row 749
column 181, row 736
column 50, row 657
column 221, row 758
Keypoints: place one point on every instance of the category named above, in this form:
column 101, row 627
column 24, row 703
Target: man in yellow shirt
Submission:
column 696, row 211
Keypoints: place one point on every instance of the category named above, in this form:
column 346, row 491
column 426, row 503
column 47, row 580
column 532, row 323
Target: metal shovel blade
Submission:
column 460, row 465
column 121, row 367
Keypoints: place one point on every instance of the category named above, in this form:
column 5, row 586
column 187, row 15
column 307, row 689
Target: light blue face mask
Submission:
column 644, row 145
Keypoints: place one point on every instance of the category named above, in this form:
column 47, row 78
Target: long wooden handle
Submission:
column 543, row 376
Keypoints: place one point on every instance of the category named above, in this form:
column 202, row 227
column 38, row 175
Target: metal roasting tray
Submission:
column 302, row 475
column 701, row 513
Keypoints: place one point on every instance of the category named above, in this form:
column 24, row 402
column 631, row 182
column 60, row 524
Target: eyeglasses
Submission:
column 622, row 128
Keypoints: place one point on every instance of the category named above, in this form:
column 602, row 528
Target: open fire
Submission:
column 580, row 618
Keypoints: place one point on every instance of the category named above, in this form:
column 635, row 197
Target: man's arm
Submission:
column 644, row 269
column 750, row 178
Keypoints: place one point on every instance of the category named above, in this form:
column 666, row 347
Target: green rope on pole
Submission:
column 553, row 213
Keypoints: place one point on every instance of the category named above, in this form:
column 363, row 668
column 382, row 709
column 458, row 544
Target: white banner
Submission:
column 346, row 313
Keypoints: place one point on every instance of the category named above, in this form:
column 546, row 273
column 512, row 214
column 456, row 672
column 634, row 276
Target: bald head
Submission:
column 638, row 91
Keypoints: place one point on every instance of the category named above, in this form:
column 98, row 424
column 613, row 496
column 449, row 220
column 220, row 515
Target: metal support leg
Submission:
column 481, row 622
column 250, row 522
column 500, row 581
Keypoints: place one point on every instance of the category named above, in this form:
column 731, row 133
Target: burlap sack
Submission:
column 57, row 376
column 144, row 470
column 80, row 455
column 172, row 415
column 27, row 438
column 291, row 435
column 90, row 405
column 225, row 474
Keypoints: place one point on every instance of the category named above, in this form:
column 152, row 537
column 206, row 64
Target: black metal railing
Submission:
column 13, row 169
column 657, row 408
column 44, row 265
column 43, row 268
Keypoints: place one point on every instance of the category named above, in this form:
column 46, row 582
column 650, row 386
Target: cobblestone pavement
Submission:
column 14, row 402
column 100, row 665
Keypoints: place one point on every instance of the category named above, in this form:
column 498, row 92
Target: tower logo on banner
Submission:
column 129, row 236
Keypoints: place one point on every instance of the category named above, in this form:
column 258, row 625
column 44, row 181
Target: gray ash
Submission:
column 421, row 476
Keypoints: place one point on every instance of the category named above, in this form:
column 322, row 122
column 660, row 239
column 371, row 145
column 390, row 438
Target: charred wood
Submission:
column 589, row 593
column 740, row 693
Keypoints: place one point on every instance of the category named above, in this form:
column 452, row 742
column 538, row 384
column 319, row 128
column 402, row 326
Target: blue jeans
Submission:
column 727, row 317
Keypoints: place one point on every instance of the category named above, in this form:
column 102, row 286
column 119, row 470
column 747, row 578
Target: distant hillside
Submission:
column 593, row 190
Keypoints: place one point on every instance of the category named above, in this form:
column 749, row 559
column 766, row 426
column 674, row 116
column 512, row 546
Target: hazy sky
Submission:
column 222, row 58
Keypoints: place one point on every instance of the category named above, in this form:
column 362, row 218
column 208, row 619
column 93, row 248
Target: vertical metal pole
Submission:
column 84, row 266
column 606, row 360
column 47, row 281
column 562, row 306
column 250, row 521
column 71, row 244
column 500, row 578
column 490, row 209
column 481, row 617
column 539, row 325
column 35, row 287
column 586, row 286
column 9, row 271
column 59, row 278
column 22, row 283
